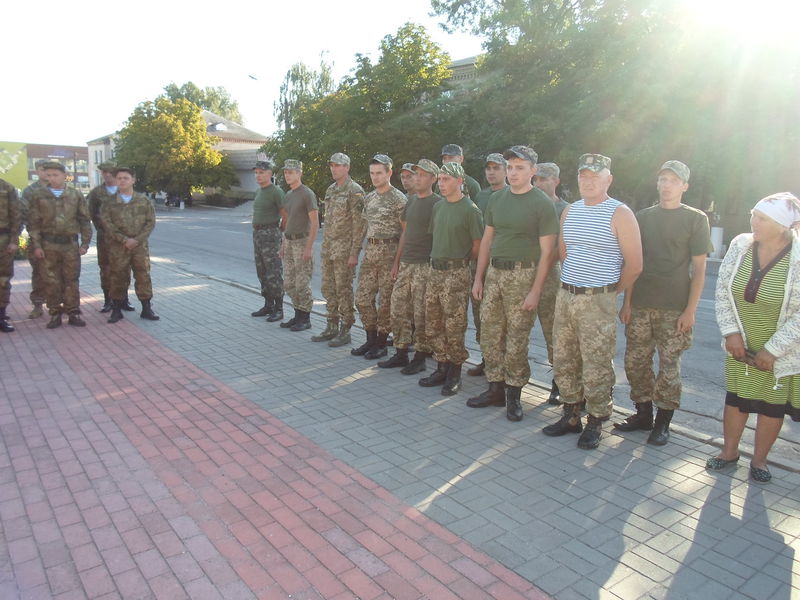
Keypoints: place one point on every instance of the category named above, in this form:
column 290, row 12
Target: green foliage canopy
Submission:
column 214, row 99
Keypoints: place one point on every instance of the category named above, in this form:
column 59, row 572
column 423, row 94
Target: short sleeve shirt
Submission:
column 519, row 221
column 455, row 226
column 418, row 239
column 298, row 203
column 267, row 205
column 382, row 213
column 482, row 199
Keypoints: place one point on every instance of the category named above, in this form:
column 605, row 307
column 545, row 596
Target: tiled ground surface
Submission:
column 225, row 456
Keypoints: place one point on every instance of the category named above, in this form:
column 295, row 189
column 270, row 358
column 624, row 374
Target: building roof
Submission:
column 229, row 130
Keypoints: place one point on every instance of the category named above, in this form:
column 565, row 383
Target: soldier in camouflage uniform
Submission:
column 341, row 243
column 268, row 211
column 58, row 213
column 455, row 153
column 127, row 220
column 38, row 278
column 601, row 255
column 659, row 312
column 547, row 179
column 516, row 253
column 410, row 273
column 457, row 227
column 381, row 225
column 407, row 179
column 297, row 251
column 98, row 195
column 10, row 228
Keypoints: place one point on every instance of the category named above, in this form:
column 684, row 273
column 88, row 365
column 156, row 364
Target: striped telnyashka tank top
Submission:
column 593, row 255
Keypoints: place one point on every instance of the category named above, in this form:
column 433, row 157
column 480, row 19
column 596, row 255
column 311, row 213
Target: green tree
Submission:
column 301, row 86
column 214, row 99
column 167, row 143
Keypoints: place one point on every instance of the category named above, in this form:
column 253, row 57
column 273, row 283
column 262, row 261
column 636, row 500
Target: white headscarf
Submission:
column 783, row 208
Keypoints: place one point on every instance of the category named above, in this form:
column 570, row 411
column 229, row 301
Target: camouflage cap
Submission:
column 339, row 158
column 428, row 166
column 293, row 164
column 594, row 162
column 408, row 167
column 677, row 167
column 381, row 159
column 106, row 166
column 497, row 158
column 547, row 170
column 452, row 150
column 523, row 152
column 51, row 164
column 264, row 165
column 453, row 169
column 40, row 163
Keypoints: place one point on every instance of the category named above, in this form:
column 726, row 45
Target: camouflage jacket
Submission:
column 381, row 215
column 25, row 199
column 136, row 219
column 67, row 215
column 343, row 207
column 96, row 198
column 10, row 209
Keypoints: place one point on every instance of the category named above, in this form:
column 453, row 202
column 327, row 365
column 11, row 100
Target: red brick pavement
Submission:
column 127, row 472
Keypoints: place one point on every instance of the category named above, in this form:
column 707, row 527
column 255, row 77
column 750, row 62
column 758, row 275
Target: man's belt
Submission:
column 382, row 240
column 443, row 264
column 267, row 226
column 510, row 265
column 296, row 236
column 55, row 238
column 4, row 230
column 589, row 291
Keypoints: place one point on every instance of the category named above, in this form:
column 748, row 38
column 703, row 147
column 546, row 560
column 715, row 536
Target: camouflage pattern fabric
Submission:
column 446, row 302
column 61, row 267
column 269, row 268
column 505, row 327
column 297, row 274
column 11, row 220
column 382, row 214
column 408, row 306
column 652, row 329
column 547, row 307
column 6, row 272
column 585, row 334
column 38, row 276
column 374, row 292
column 121, row 262
column 476, row 304
column 337, row 289
column 97, row 196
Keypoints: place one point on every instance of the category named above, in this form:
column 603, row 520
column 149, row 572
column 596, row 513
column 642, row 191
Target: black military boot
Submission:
column 555, row 395
column 291, row 322
column 331, row 331
column 642, row 419
column 417, row 364
column 277, row 311
column 660, row 434
column 438, row 377
column 452, row 383
column 364, row 348
column 378, row 349
column 126, row 305
column 75, row 320
column 494, row 396
column 116, row 311
column 303, row 321
column 590, row 438
column 147, row 312
column 5, row 326
column 400, row 359
column 478, row 369
column 342, row 337
column 570, row 421
column 106, row 303
column 55, row 321
column 265, row 310
column 513, row 403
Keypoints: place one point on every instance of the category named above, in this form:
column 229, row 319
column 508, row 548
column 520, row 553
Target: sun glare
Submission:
column 764, row 21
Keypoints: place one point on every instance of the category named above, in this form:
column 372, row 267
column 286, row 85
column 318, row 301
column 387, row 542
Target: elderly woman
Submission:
column 758, row 312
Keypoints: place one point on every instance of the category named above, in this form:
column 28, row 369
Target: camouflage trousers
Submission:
column 38, row 279
column 652, row 329
column 476, row 304
column 337, row 288
column 121, row 262
column 446, row 301
column 6, row 271
column 547, row 307
column 269, row 268
column 408, row 306
column 103, row 261
column 374, row 291
column 297, row 275
column 505, row 327
column 62, row 270
column 585, row 334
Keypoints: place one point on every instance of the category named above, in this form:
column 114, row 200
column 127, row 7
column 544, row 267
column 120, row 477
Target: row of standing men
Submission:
column 515, row 249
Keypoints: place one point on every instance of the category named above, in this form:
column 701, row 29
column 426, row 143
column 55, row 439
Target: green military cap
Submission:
column 452, row 150
column 106, row 166
column 339, row 158
column 264, row 165
column 548, row 170
column 594, row 162
column 677, row 167
column 40, row 163
column 497, row 158
column 523, row 152
column 293, row 164
column 453, row 169
column 381, row 159
column 408, row 167
column 51, row 164
column 428, row 166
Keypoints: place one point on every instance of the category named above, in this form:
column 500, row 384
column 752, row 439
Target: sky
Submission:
column 75, row 71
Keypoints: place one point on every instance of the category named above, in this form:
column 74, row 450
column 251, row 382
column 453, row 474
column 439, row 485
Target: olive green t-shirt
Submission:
column 519, row 221
column 418, row 239
column 455, row 225
column 298, row 203
column 670, row 238
column 482, row 199
column 267, row 205
column 470, row 188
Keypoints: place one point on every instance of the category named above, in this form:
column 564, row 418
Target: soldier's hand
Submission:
column 131, row 243
column 38, row 253
column 12, row 248
column 764, row 360
column 477, row 290
column 734, row 345
column 393, row 272
column 685, row 322
column 280, row 252
column 625, row 314
column 352, row 260
column 531, row 301
column 308, row 253
column 82, row 250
